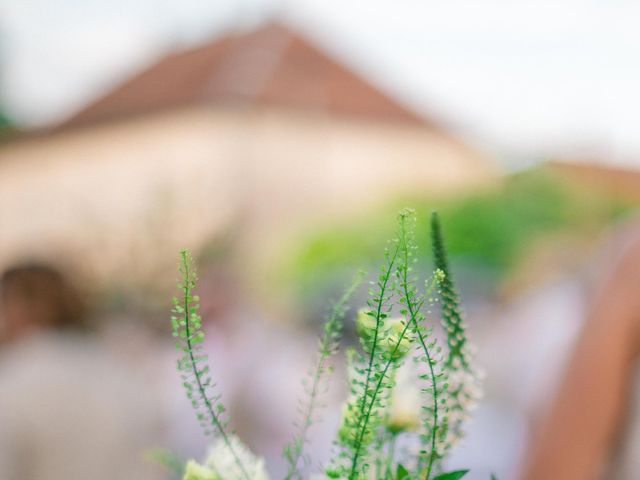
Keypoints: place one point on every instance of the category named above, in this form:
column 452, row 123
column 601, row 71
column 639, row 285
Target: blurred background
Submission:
column 277, row 140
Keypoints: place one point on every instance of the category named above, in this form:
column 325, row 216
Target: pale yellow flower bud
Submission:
column 405, row 407
column 388, row 336
column 195, row 471
column 394, row 328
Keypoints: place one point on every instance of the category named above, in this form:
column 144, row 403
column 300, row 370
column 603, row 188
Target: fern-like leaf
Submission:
column 367, row 405
column 412, row 302
column 194, row 371
column 362, row 412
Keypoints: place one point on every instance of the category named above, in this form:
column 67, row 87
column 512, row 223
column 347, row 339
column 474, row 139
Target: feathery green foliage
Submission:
column 385, row 342
column 429, row 354
column 489, row 231
column 327, row 347
column 450, row 300
column 395, row 337
column 368, row 373
column 196, row 379
column 169, row 460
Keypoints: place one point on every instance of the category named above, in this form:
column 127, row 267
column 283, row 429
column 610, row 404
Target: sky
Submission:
column 526, row 78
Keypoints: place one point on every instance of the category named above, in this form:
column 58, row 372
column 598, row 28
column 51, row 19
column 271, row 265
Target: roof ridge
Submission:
column 273, row 64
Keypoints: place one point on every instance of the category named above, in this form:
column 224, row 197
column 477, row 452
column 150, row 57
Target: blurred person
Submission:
column 69, row 408
column 591, row 429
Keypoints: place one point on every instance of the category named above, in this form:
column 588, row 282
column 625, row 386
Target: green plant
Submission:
column 398, row 350
column 187, row 330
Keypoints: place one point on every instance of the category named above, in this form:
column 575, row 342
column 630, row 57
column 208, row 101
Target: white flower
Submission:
column 221, row 460
column 195, row 471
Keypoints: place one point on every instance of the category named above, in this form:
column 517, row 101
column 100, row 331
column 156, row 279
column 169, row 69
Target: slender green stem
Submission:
column 376, row 390
column 328, row 346
column 194, row 367
column 306, row 422
column 362, row 427
column 432, row 374
column 412, row 310
column 391, row 454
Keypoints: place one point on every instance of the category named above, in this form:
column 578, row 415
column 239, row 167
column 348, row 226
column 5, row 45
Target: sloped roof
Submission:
column 272, row 65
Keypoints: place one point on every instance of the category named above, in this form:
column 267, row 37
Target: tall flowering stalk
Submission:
column 368, row 374
column 463, row 391
column 194, row 371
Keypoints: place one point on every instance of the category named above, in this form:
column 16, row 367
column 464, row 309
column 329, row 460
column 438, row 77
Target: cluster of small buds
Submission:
column 463, row 381
column 455, row 327
column 463, row 391
column 463, row 388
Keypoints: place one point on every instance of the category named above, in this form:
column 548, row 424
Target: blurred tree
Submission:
column 5, row 125
column 488, row 231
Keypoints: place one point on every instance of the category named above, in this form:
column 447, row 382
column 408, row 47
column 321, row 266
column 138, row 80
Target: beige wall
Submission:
column 130, row 193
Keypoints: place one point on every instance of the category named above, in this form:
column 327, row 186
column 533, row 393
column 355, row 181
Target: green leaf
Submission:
column 401, row 472
column 493, row 476
column 169, row 460
column 455, row 475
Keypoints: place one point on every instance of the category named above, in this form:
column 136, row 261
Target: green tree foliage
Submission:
column 6, row 126
column 489, row 230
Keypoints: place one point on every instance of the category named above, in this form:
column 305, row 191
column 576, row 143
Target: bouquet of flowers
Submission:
column 408, row 396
